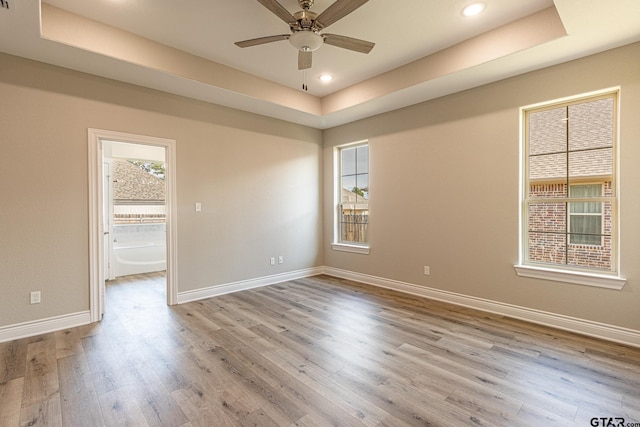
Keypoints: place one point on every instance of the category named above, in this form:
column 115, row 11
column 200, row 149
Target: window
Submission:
column 569, row 185
column 353, row 191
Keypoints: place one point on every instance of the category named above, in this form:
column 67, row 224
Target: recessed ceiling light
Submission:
column 473, row 9
column 326, row 78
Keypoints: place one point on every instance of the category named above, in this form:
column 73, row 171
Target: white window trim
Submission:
column 338, row 245
column 576, row 277
column 356, row 249
column 566, row 275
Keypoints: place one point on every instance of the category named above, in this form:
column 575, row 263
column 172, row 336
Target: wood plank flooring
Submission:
column 313, row 352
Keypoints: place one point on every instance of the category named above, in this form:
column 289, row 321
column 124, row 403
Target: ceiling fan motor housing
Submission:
column 305, row 19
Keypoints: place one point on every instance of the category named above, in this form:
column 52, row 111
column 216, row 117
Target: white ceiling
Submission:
column 403, row 30
column 414, row 58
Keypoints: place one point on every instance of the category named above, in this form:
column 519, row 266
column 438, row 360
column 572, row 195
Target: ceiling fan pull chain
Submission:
column 304, row 80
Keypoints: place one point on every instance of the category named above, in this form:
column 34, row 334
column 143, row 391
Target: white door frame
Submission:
column 96, row 213
column 108, row 218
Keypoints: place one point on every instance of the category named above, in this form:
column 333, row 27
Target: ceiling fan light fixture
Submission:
column 474, row 9
column 306, row 41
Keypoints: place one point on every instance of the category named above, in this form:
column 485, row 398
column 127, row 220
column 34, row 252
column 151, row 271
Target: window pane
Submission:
column 349, row 183
column 585, row 190
column 585, row 239
column 547, row 190
column 585, row 207
column 591, row 163
column 362, row 188
column 591, row 124
column 354, row 223
column 547, row 248
column 596, row 257
column 585, row 228
column 362, row 159
column 607, row 223
column 548, row 217
column 348, row 161
column 548, row 131
column 548, row 167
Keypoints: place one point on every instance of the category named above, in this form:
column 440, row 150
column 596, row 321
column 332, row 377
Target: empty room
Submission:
column 340, row 213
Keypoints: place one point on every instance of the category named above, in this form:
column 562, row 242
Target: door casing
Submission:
column 96, row 214
column 107, row 218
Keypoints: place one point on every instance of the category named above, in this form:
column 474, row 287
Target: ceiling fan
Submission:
column 306, row 29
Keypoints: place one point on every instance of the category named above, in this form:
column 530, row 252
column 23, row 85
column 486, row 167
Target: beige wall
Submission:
column 258, row 180
column 265, row 186
column 444, row 191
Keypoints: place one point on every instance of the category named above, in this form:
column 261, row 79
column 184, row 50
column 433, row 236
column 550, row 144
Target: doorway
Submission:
column 134, row 209
column 134, row 240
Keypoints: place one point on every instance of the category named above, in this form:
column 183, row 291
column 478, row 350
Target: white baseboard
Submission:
column 585, row 327
column 581, row 326
column 242, row 285
column 44, row 326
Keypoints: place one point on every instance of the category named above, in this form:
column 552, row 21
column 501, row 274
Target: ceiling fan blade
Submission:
column 263, row 40
column 338, row 10
column 279, row 10
column 304, row 60
column 348, row 43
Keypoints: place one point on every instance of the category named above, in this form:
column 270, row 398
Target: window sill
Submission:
column 576, row 277
column 364, row 250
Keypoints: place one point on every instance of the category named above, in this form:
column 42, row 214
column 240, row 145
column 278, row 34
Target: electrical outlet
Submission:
column 35, row 297
column 272, row 261
column 427, row 270
column 280, row 259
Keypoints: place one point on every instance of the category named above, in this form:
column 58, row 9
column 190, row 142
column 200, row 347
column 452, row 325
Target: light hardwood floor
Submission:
column 312, row 352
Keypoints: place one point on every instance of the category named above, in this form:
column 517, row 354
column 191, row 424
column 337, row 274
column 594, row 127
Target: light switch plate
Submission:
column 35, row 297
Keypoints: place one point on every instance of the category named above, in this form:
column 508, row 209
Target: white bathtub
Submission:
column 139, row 248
